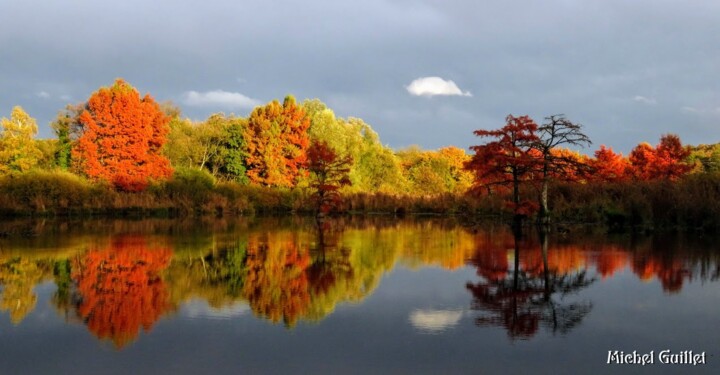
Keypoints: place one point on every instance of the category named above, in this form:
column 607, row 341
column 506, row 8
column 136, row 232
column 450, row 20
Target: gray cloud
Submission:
column 588, row 60
column 645, row 100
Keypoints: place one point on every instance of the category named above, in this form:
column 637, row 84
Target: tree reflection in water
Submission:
column 119, row 288
column 276, row 284
column 288, row 279
column 18, row 277
column 287, row 272
column 523, row 299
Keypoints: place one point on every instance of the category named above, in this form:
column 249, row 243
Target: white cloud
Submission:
column 43, row 94
column 645, row 100
column 219, row 98
column 431, row 86
column 702, row 110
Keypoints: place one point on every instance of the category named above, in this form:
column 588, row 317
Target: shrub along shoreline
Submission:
column 690, row 203
column 193, row 193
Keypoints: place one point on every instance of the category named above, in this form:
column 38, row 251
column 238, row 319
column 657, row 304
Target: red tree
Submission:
column 122, row 135
column 507, row 161
column 671, row 158
column 330, row 173
column 665, row 161
column 642, row 157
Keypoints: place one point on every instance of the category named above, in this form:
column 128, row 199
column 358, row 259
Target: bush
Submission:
column 53, row 191
column 188, row 189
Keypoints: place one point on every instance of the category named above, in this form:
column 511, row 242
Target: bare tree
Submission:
column 554, row 132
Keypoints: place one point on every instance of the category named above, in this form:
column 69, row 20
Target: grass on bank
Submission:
column 690, row 203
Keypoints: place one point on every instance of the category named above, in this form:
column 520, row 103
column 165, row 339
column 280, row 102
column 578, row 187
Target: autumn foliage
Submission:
column 609, row 166
column 120, row 288
column 276, row 141
column 122, row 137
column 507, row 160
column 330, row 172
column 276, row 285
column 665, row 161
column 18, row 151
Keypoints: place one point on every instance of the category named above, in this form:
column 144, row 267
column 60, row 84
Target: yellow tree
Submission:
column 18, row 151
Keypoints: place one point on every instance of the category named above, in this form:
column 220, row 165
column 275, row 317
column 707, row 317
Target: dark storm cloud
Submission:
column 629, row 71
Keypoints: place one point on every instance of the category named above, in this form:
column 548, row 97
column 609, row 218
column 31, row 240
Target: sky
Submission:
column 425, row 72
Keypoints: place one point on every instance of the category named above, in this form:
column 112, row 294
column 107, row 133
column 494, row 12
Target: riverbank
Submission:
column 690, row 204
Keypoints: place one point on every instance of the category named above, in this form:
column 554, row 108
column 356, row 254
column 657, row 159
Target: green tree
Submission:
column 705, row 158
column 232, row 152
column 67, row 128
column 216, row 145
column 18, row 151
column 375, row 167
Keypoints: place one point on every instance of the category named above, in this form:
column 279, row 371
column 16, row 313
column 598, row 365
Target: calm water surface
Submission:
column 358, row 296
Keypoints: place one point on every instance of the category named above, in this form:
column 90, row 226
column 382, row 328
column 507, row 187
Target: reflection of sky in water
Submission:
column 196, row 308
column 434, row 321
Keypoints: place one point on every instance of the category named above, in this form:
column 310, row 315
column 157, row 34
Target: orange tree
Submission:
column 276, row 140
column 121, row 138
column 276, row 283
column 608, row 166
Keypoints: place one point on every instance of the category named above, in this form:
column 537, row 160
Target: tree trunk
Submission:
column 544, row 214
column 516, row 197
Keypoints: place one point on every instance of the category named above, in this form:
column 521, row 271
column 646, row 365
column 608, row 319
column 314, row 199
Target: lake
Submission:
column 372, row 295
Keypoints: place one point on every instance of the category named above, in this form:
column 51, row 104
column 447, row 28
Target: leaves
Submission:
column 609, row 166
column 122, row 138
column 276, row 140
column 330, row 172
column 666, row 161
column 18, row 151
column 508, row 160
column 120, row 288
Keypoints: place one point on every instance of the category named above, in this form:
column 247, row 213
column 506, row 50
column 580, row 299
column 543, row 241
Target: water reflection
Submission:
column 118, row 288
column 119, row 278
column 528, row 294
column 434, row 321
column 18, row 276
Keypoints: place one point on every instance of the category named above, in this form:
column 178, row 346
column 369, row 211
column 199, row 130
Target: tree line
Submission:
column 119, row 143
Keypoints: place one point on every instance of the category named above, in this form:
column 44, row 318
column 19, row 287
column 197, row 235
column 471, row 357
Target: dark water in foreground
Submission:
column 360, row 296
